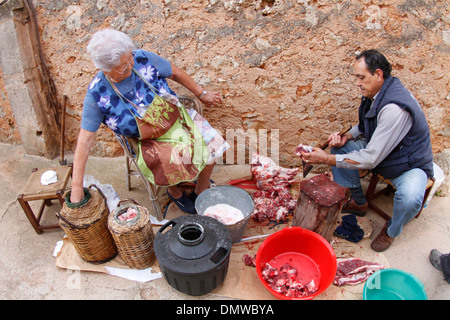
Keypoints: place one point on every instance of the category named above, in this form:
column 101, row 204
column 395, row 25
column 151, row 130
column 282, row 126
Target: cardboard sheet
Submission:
column 68, row 258
column 242, row 281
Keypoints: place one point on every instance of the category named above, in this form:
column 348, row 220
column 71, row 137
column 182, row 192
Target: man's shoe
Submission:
column 382, row 241
column 184, row 203
column 435, row 259
column 357, row 210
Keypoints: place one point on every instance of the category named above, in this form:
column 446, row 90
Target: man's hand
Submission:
column 318, row 156
column 336, row 140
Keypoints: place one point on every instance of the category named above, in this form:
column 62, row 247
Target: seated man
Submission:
column 392, row 138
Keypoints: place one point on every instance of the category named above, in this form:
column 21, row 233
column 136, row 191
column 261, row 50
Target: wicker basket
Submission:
column 86, row 226
column 134, row 238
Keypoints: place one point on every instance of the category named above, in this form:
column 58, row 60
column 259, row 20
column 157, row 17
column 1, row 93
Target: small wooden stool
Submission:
column 371, row 195
column 34, row 190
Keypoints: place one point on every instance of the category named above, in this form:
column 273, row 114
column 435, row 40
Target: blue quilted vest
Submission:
column 414, row 151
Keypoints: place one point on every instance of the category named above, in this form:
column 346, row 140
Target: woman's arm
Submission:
column 210, row 98
column 84, row 145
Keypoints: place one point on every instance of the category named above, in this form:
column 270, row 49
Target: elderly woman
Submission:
column 132, row 97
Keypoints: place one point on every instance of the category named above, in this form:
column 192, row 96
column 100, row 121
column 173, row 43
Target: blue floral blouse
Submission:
column 103, row 105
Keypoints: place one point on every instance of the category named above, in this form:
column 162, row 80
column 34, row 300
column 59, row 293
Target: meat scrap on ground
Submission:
column 273, row 200
column 353, row 271
column 249, row 261
column 284, row 281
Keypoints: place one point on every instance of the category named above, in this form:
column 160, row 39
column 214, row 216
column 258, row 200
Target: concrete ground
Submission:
column 27, row 265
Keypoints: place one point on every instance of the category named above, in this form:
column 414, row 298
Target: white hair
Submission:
column 107, row 46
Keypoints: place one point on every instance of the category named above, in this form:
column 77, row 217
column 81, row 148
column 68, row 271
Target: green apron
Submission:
column 171, row 148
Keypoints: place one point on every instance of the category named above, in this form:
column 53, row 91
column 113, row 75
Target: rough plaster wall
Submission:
column 8, row 125
column 279, row 64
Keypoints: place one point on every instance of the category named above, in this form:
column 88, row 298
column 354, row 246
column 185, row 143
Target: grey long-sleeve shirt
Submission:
column 393, row 125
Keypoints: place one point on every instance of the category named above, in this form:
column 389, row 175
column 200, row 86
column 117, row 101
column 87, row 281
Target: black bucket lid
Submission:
column 193, row 244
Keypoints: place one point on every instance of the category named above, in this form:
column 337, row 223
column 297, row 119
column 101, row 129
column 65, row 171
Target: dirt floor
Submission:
column 28, row 268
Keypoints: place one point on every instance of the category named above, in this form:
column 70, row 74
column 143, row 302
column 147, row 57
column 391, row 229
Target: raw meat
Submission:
column 269, row 273
column 128, row 215
column 284, row 281
column 273, row 200
column 323, row 190
column 354, row 265
column 302, row 148
column 249, row 261
column 353, row 271
column 268, row 174
column 351, row 280
column 224, row 213
column 281, row 213
column 273, row 205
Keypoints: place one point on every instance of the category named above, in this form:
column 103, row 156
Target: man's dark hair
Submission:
column 375, row 60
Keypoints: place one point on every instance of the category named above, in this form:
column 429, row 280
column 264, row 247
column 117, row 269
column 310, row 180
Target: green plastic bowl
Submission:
column 394, row 284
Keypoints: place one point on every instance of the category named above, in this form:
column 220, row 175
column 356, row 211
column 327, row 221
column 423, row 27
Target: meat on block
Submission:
column 318, row 205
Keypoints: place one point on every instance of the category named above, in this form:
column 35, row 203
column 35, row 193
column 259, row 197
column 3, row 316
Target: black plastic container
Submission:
column 193, row 253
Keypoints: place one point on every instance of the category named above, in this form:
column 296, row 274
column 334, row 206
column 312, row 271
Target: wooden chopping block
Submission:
column 318, row 206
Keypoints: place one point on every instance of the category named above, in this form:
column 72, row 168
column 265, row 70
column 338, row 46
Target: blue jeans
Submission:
column 408, row 197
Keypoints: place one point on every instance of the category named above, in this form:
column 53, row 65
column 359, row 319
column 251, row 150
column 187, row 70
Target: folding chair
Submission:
column 129, row 147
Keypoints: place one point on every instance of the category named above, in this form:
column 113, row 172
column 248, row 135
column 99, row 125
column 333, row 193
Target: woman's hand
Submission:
column 211, row 98
column 76, row 194
column 84, row 145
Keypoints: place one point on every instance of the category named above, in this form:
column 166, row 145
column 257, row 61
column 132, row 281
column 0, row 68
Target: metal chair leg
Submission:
column 126, row 145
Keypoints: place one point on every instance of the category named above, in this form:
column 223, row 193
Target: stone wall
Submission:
column 280, row 64
column 8, row 125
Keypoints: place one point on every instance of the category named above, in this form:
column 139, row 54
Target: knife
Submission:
column 307, row 167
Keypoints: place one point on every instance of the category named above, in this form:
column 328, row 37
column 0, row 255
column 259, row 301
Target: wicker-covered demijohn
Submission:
column 133, row 236
column 86, row 226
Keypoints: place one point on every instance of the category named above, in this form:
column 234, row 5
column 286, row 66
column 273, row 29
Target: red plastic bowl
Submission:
column 305, row 250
